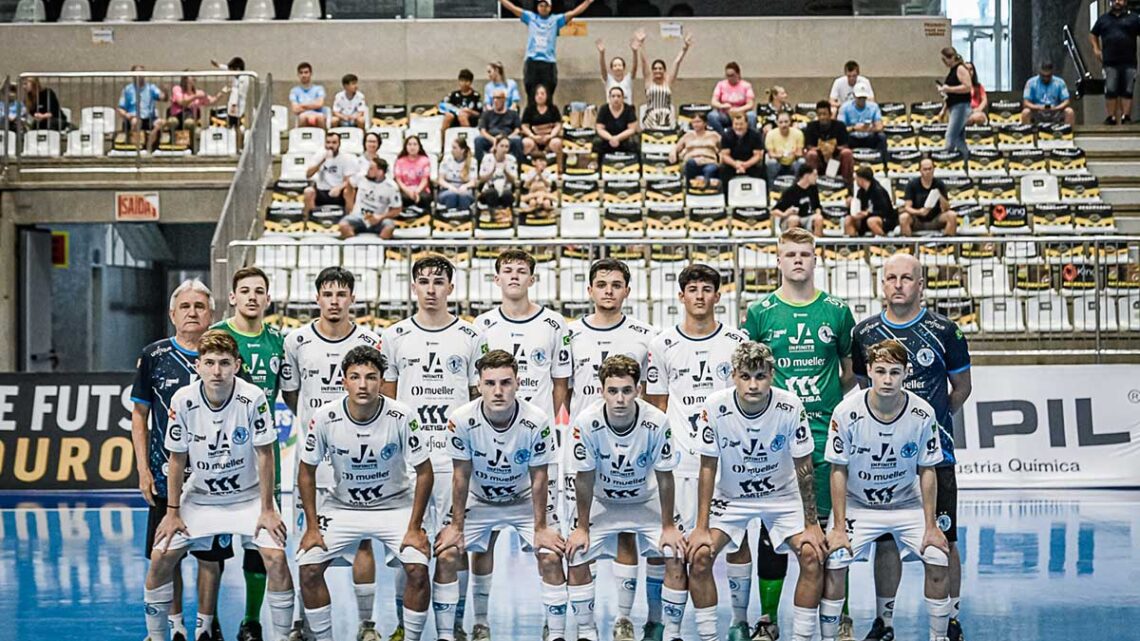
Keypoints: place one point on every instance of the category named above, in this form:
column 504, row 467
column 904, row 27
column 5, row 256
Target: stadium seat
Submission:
column 41, row 144
column 468, row 134
column 7, row 143
column 987, row 279
column 573, row 277
column 852, row 279
column 545, row 287
column 655, row 165
column 430, row 139
column 293, row 167
column 395, row 281
column 707, row 222
column 305, row 10
column 1001, row 315
column 865, row 307
column 1091, row 312
column 948, row 163
column 365, row 251
column 82, row 143
column 1047, row 313
column 744, row 191
column 580, row 221
column 986, row 163
column 903, row 163
column 1015, row 136
column 666, row 221
column 981, row 137
column 318, row 251
column 98, row 120
column 1053, row 136
column 666, row 313
column 1039, row 188
column 390, row 115
column 621, row 166
column 280, row 115
column 481, row 282
column 1080, row 188
column 1066, row 161
column 217, row 141
column 1128, row 312
column 278, row 284
column 306, row 140
column 302, row 284
column 750, row 222
column 169, row 11
column 214, row 11
column 276, row 251
column 391, row 139
column 962, row 311
column 367, row 289
column 894, row 113
column 1026, row 161
column 30, row 11
column 931, row 137
column 901, row 137
column 351, row 139
column 1052, row 218
column 714, row 199
column 944, row 280
column 75, row 11
column 1004, row 112
column 121, row 11
column 1094, row 218
column 259, row 11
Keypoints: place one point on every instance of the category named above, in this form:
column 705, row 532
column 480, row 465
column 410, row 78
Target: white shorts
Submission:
column 485, row 518
column 439, row 507
column 569, row 504
column 864, row 526
column 608, row 520
column 685, row 501
column 204, row 522
column 783, row 516
column 555, row 498
column 344, row 528
column 299, row 510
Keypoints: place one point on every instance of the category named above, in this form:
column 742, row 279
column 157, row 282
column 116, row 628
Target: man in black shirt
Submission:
column 917, row 216
column 799, row 204
column 1113, row 39
column 498, row 121
column 875, row 213
column 741, row 151
column 825, row 139
column 616, row 126
column 464, row 104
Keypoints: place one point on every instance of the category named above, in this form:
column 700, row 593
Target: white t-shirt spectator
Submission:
column 334, row 171
column 342, row 104
column 844, row 93
column 625, row 83
column 375, row 197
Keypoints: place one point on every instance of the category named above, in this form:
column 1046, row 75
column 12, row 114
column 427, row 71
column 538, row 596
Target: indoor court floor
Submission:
column 1055, row 566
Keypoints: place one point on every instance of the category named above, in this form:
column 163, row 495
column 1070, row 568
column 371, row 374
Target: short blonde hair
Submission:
column 798, row 236
column 752, row 357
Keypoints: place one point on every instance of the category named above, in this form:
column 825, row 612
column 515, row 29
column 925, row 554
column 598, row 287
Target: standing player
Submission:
column 311, row 377
column 624, row 457
column 371, row 440
column 688, row 362
column 165, row 367
column 938, row 353
column 262, row 351
column 221, row 428
column 501, row 446
column 539, row 340
column 431, row 368
column 883, row 448
column 592, row 339
column 809, row 332
column 761, row 436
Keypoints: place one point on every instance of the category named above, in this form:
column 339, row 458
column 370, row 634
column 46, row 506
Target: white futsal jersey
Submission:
column 541, row 344
column 220, row 443
column 882, row 459
column 370, row 460
column 688, row 370
column 756, row 452
column 589, row 346
column 625, row 464
column 435, row 369
column 501, row 459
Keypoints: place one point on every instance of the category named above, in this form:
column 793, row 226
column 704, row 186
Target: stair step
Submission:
column 1123, row 143
column 1105, row 169
column 1121, row 195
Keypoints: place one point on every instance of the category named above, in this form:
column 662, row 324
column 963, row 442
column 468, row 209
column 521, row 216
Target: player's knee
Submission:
column 417, row 576
column 701, row 566
column 312, row 576
column 810, row 562
column 449, row 558
column 549, row 563
column 675, row 571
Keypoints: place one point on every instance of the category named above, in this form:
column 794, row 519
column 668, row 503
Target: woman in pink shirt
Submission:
column 186, row 102
column 732, row 95
column 413, row 174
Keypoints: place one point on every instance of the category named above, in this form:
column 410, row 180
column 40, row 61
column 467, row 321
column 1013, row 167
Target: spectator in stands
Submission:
column 777, row 104
column 698, row 149
column 1113, row 39
column 463, row 105
column 495, row 122
column 785, row 148
column 307, row 100
column 614, row 74
column 458, row 177
column 138, row 108
column 496, row 80
column 843, row 89
column 1046, row 98
column 921, row 212
column 237, row 92
column 498, row 176
column 43, row 105
column 617, row 126
column 17, row 111
column 741, row 151
column 659, row 89
column 332, row 170
column 826, row 139
column 363, row 162
column 537, row 190
column 864, row 122
column 979, row 101
column 732, row 95
column 799, row 204
column 377, row 204
column 957, row 88
column 540, row 67
column 871, row 209
column 186, row 102
column 413, row 174
column 350, row 109
column 541, row 126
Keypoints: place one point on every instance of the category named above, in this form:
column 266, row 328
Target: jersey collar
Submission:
column 779, row 296
column 736, row 401
column 490, row 424
column 331, row 340
column 632, row 426
column 605, row 329
column 233, row 328
column 521, row 321
column 888, row 323
column 206, row 401
column 174, row 343
column 348, row 415
column 448, row 326
column 719, row 326
column 871, row 412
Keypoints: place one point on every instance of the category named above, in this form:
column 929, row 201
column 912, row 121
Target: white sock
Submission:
column 481, row 596
column 654, row 581
column 740, row 589
column 829, row 613
column 461, row 607
column 158, row 603
column 673, row 605
column 177, row 625
column 804, row 623
column 202, row 625
column 554, row 602
column 280, row 612
column 706, row 623
column 320, row 620
column 885, row 610
column 582, row 602
column 444, row 596
column 955, row 606
column 939, row 612
column 414, row 624
column 398, row 587
column 626, row 576
column 298, row 604
column 366, row 597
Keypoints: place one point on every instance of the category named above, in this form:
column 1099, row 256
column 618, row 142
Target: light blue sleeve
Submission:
column 295, row 95
column 320, row 91
column 1064, row 92
column 124, row 104
column 561, row 18
column 487, row 89
column 527, row 17
column 1027, row 93
column 513, row 93
column 877, row 115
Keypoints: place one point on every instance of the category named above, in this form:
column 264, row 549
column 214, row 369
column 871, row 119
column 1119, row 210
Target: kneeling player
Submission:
column 622, row 449
column 222, row 427
column 883, row 446
column 500, row 446
column 371, row 443
column 759, row 437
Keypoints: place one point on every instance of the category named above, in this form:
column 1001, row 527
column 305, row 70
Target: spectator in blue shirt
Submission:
column 864, row 122
column 540, row 67
column 1046, row 99
column 497, row 80
column 17, row 111
column 138, row 107
column 307, row 100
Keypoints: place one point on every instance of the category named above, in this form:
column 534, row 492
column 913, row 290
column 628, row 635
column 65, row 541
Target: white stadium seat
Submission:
column 666, row 313
column 7, row 143
column 351, row 139
column 1001, row 315
column 276, row 251
column 430, row 139
column 168, row 11
column 217, row 141
column 1086, row 313
column 577, row 221
column 574, row 276
column 1128, row 312
column 75, row 11
column 308, row 140
column 294, row 166
column 545, row 287
column 318, row 251
column 747, row 192
column 278, row 284
column 214, row 11
column 391, row 139
column 367, row 286
column 41, row 143
column 259, row 11
column 467, row 133
column 82, row 143
column 301, row 289
column 481, row 282
column 865, row 307
column 363, row 251
column 121, row 11
column 97, row 120
column 1047, row 313
column 852, row 279
column 1039, row 188
column 395, row 281
column 987, row 278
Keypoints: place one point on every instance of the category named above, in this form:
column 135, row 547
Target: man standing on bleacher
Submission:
column 937, row 352
column 1113, row 39
column 540, row 67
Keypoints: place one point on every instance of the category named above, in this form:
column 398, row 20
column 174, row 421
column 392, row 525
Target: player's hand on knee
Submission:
column 548, row 539
column 450, row 537
column 312, row 539
column 933, row 537
column 700, row 542
column 837, row 540
column 417, row 539
column 170, row 525
column 271, row 522
column 674, row 541
column 812, row 537
column 579, row 541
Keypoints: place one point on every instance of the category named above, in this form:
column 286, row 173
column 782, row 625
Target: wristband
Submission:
column 173, row 507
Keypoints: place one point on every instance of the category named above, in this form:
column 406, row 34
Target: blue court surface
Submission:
column 1056, row 566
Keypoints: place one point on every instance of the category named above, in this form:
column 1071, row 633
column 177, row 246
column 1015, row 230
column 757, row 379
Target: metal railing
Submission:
column 6, row 102
column 239, row 215
column 1075, row 295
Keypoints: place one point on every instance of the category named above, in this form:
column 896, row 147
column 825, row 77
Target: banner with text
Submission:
column 1050, row 426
